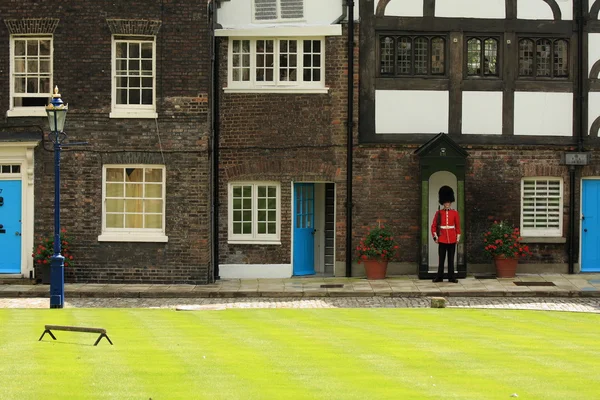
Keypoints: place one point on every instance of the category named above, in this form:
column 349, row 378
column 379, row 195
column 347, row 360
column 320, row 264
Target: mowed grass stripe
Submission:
column 223, row 366
column 508, row 358
column 386, row 349
column 371, row 368
column 64, row 358
column 316, row 368
column 526, row 335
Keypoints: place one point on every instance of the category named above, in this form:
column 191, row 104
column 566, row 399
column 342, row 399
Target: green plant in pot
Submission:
column 502, row 242
column 375, row 250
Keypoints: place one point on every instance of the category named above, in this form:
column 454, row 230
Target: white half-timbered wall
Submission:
column 426, row 111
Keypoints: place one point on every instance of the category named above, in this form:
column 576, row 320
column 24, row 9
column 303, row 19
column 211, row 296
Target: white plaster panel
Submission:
column 255, row 271
column 534, row 9
column 238, row 14
column 482, row 113
column 593, row 108
column 593, row 49
column 541, row 113
column 566, row 9
column 411, row 111
column 470, row 8
column 404, row 8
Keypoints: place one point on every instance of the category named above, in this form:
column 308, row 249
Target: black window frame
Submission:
column 553, row 40
column 412, row 74
column 499, row 56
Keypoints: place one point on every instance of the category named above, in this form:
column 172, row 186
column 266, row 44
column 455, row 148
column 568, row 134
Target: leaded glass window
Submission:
column 549, row 60
column 240, row 62
column 406, row 55
column 482, row 57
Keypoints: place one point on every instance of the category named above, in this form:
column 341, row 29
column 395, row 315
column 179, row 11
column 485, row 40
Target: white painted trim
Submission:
column 27, row 112
column 14, row 111
column 283, row 90
column 125, row 110
column 255, row 271
column 133, row 114
column 281, row 32
column 132, row 237
column 255, row 237
column 22, row 153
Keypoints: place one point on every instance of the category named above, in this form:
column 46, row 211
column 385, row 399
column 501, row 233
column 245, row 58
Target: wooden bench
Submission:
column 101, row 331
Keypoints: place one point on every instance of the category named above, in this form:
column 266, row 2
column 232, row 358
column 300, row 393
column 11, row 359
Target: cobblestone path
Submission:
column 591, row 305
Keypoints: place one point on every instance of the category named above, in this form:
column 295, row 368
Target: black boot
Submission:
column 436, row 279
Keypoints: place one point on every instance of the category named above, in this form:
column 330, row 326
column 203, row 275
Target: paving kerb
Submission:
column 566, row 286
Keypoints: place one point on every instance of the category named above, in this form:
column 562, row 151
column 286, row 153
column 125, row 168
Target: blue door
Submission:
column 10, row 227
column 590, row 231
column 304, row 222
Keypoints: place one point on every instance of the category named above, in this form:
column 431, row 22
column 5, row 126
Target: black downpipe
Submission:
column 579, row 130
column 214, row 148
column 349, row 149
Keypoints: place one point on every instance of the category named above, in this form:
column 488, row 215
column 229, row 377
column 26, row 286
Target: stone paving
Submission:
column 579, row 292
column 588, row 305
column 533, row 285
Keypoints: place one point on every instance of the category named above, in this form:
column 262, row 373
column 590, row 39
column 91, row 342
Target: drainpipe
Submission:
column 344, row 13
column 349, row 149
column 214, row 136
column 580, row 127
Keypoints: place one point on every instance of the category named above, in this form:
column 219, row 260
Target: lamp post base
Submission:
column 57, row 281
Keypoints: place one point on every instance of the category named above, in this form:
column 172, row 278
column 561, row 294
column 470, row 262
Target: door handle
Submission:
column 585, row 230
column 17, row 233
column 313, row 232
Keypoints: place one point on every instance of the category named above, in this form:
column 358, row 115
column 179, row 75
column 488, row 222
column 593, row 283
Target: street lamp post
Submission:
column 57, row 113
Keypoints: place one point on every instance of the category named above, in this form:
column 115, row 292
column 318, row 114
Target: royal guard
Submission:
column 446, row 233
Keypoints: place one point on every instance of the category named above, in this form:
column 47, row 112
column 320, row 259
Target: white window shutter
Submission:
column 265, row 10
column 292, row 9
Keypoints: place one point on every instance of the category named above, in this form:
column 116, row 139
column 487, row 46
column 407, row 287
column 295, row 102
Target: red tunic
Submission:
column 450, row 226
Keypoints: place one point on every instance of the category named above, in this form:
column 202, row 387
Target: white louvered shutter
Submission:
column 542, row 206
column 292, row 9
column 265, row 10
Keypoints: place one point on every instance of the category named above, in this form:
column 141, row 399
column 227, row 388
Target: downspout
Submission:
column 214, row 136
column 350, row 146
column 579, row 130
column 342, row 17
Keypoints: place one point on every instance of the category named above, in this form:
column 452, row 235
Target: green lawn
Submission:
column 302, row 354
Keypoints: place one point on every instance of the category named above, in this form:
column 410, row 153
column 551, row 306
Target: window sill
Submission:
column 27, row 112
column 133, row 114
column 133, row 237
column 256, row 241
column 543, row 239
column 282, row 90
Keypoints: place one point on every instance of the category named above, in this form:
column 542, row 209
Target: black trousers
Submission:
column 443, row 249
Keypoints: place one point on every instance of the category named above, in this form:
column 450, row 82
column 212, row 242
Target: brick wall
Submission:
column 285, row 138
column 387, row 188
column 177, row 139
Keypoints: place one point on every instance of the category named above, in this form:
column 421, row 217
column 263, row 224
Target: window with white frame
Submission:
column 31, row 73
column 541, row 207
column 278, row 10
column 279, row 64
column 134, row 202
column 254, row 212
column 134, row 76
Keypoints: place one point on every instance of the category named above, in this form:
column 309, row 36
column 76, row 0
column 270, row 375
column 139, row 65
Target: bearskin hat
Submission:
column 446, row 195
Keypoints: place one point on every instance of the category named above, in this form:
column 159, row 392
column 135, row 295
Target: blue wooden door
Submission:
column 10, row 230
column 590, row 231
column 304, row 222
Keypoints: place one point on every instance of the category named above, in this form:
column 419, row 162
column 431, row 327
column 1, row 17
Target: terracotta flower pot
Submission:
column 376, row 268
column 506, row 267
